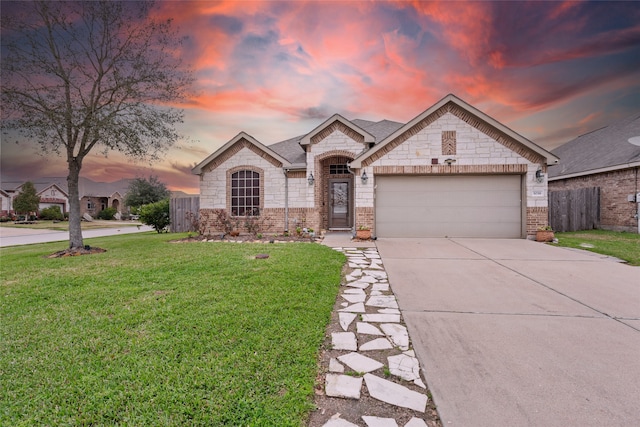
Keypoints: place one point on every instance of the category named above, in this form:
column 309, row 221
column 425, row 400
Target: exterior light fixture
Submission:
column 450, row 161
column 364, row 177
column 539, row 175
column 311, row 179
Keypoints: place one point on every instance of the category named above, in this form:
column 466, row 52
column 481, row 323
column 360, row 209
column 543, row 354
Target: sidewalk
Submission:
column 27, row 236
column 369, row 371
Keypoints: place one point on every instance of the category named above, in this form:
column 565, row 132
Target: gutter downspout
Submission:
column 286, row 200
column 353, row 225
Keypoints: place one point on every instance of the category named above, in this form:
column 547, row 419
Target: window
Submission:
column 338, row 169
column 245, row 193
column 89, row 205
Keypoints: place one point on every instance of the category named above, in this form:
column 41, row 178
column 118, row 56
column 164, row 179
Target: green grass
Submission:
column 64, row 225
column 625, row 246
column 158, row 333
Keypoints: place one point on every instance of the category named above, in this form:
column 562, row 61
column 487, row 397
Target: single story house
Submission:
column 450, row 171
column 608, row 158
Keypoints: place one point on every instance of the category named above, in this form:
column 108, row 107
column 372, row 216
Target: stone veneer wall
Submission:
column 214, row 182
column 616, row 213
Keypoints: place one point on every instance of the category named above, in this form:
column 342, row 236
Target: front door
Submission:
column 339, row 206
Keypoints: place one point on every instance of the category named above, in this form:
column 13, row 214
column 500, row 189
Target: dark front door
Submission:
column 339, row 206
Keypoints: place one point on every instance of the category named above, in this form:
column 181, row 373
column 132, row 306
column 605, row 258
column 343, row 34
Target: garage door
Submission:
column 449, row 206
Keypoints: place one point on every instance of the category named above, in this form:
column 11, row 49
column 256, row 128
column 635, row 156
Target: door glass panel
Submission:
column 340, row 198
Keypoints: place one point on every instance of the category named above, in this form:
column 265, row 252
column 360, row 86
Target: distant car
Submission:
column 135, row 217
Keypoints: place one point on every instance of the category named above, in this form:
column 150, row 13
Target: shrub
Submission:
column 52, row 213
column 156, row 215
column 107, row 213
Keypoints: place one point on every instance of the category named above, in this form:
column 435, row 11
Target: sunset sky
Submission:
column 548, row 70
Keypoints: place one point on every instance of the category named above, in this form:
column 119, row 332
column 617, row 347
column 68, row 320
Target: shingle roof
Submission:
column 381, row 129
column 291, row 150
column 86, row 186
column 604, row 148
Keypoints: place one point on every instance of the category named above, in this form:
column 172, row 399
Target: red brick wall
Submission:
column 272, row 220
column 365, row 217
column 536, row 217
column 616, row 213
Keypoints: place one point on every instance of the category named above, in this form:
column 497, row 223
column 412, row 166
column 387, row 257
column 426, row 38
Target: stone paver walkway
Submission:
column 372, row 354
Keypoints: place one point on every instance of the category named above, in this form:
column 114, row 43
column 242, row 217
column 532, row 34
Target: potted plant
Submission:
column 544, row 234
column 363, row 233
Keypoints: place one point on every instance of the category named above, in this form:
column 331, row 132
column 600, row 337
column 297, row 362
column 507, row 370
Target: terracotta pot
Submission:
column 544, row 236
column 363, row 234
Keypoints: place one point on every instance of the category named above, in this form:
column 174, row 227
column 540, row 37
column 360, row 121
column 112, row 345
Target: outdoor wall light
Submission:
column 539, row 175
column 311, row 179
column 450, row 161
column 364, row 177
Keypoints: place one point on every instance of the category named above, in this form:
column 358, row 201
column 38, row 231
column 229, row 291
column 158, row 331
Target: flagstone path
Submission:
column 370, row 365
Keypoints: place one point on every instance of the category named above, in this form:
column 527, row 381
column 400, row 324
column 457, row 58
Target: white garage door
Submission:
column 449, row 206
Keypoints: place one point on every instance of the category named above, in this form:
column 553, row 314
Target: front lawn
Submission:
column 158, row 333
column 64, row 225
column 625, row 246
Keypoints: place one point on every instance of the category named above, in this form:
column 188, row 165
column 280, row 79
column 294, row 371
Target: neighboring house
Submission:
column 52, row 195
column 94, row 196
column 608, row 158
column 5, row 205
column 451, row 171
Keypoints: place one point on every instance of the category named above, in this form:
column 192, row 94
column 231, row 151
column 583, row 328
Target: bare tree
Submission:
column 91, row 75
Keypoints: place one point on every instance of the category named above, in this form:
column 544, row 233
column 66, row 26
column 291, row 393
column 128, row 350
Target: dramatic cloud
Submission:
column 548, row 70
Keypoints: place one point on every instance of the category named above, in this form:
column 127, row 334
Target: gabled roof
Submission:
column 86, row 186
column 242, row 136
column 368, row 138
column 612, row 147
column 41, row 187
column 469, row 110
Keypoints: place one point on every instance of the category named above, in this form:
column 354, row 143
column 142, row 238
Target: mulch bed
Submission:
column 87, row 250
column 247, row 238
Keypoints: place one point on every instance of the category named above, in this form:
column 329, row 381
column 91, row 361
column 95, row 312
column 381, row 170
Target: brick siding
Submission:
column 616, row 213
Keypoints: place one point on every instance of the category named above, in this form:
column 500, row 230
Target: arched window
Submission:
column 245, row 193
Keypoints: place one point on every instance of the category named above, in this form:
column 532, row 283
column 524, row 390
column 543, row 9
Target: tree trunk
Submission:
column 75, row 227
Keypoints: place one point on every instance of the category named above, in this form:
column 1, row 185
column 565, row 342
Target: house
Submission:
column 94, row 196
column 607, row 158
column 450, row 171
column 51, row 194
column 97, row 196
column 5, row 203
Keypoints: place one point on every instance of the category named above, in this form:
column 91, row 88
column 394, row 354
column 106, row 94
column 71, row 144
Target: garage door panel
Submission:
column 439, row 206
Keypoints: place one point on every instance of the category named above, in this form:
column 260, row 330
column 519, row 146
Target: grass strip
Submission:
column 159, row 333
column 625, row 246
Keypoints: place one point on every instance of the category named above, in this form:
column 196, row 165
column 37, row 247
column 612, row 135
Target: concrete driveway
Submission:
column 518, row 333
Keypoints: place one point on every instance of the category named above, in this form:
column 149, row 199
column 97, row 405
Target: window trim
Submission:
column 230, row 188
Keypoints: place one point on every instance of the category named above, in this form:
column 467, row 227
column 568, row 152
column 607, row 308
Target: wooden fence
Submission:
column 178, row 212
column 573, row 210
